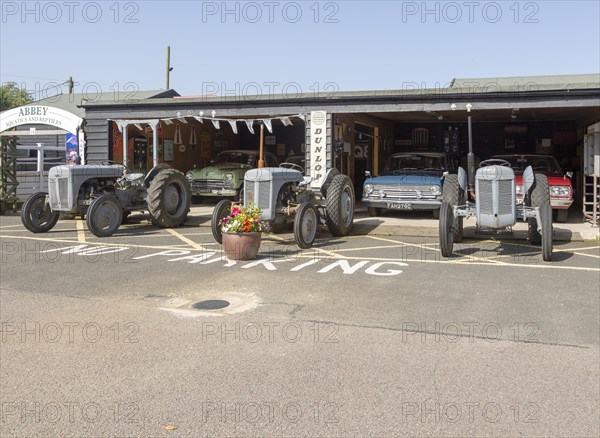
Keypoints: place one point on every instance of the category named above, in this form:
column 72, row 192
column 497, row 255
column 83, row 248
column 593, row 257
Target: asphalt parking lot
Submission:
column 369, row 335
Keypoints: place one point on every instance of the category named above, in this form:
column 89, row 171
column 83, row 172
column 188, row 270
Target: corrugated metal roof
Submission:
column 458, row 87
column 70, row 102
column 549, row 82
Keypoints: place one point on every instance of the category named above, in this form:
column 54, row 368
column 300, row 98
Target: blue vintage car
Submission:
column 410, row 181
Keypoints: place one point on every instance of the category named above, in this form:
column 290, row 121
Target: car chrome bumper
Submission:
column 407, row 204
column 555, row 203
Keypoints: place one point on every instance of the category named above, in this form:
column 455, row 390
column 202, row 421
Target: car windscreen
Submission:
column 542, row 164
column 415, row 162
column 236, row 157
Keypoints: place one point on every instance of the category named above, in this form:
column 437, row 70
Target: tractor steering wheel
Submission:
column 495, row 161
column 293, row 166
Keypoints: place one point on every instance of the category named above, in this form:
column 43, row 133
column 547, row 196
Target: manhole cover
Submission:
column 211, row 304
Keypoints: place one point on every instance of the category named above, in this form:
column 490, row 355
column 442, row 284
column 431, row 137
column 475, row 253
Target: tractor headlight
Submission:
column 368, row 189
column 519, row 190
column 560, row 191
column 435, row 190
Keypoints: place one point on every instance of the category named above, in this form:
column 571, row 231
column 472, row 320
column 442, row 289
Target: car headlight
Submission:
column 189, row 176
column 228, row 176
column 560, row 191
column 519, row 190
column 368, row 189
column 435, row 190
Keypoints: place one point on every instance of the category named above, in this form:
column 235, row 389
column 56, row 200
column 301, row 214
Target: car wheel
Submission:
column 374, row 211
column 562, row 215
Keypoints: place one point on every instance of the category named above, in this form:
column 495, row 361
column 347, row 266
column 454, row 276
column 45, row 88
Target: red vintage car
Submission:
column 561, row 190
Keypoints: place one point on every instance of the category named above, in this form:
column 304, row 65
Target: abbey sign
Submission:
column 39, row 114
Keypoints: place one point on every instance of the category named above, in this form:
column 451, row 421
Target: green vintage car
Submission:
column 225, row 176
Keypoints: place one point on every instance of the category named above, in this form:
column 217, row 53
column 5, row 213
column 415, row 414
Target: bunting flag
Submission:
column 177, row 139
column 193, row 140
column 269, row 125
column 285, row 120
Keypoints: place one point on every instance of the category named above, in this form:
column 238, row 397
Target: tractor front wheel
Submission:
column 340, row 206
column 221, row 210
column 305, row 225
column 453, row 194
column 547, row 231
column 538, row 197
column 104, row 215
column 36, row 215
column 169, row 198
column 446, row 235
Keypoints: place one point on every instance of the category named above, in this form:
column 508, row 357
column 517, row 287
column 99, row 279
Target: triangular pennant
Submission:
column 216, row 124
column 200, row 119
column 193, row 139
column 286, row 121
column 233, row 125
column 269, row 125
column 177, row 139
column 249, row 124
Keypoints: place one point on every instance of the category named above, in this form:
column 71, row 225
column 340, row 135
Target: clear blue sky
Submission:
column 356, row 45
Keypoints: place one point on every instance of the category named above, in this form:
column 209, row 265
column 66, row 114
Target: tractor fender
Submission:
column 154, row 171
column 528, row 179
column 462, row 179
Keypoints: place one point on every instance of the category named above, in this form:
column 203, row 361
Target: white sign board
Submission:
column 39, row 114
column 318, row 148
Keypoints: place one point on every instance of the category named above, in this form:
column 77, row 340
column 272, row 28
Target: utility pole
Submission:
column 169, row 68
column 70, row 84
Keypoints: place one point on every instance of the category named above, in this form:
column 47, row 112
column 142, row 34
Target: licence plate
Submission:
column 400, row 205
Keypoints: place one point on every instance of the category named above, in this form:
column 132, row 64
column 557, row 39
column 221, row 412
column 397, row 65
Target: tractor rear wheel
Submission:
column 36, row 214
column 547, row 231
column 169, row 198
column 453, row 194
column 305, row 225
column 221, row 210
column 104, row 215
column 446, row 236
column 340, row 206
column 538, row 197
column 330, row 176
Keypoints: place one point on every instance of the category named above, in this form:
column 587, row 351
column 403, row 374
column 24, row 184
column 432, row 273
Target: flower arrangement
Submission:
column 243, row 220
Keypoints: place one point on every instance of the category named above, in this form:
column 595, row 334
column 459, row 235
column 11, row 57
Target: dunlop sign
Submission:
column 39, row 114
column 318, row 147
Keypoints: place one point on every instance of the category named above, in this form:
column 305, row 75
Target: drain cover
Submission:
column 211, row 304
